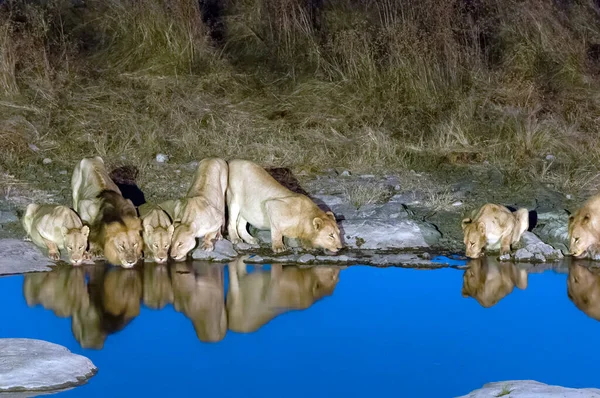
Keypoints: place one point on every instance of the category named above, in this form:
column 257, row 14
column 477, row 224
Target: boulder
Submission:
column 530, row 389
column 223, row 251
column 18, row 256
column 534, row 250
column 37, row 365
column 388, row 234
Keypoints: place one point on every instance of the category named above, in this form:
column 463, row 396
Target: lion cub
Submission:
column 57, row 228
column 115, row 227
column 157, row 232
column 584, row 228
column 202, row 212
column 254, row 197
column 494, row 226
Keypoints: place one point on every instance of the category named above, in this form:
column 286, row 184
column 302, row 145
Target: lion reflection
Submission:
column 102, row 306
column 199, row 292
column 488, row 281
column 257, row 297
column 583, row 288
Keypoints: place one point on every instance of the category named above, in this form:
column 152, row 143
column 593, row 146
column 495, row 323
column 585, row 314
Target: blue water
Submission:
column 383, row 331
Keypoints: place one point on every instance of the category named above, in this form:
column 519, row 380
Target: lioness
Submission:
column 198, row 291
column 157, row 290
column 583, row 288
column 202, row 211
column 493, row 226
column 115, row 227
column 584, row 228
column 254, row 197
column 488, row 281
column 255, row 298
column 157, row 232
column 57, row 228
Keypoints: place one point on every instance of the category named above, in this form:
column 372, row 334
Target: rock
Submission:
column 504, row 257
column 223, row 251
column 552, row 227
column 7, row 216
column 457, row 203
column 367, row 176
column 246, row 246
column 62, row 172
column 550, row 157
column 47, row 161
column 162, row 158
column 535, row 250
column 388, row 234
column 34, row 148
column 345, row 173
column 17, row 257
column 530, row 389
column 306, row 258
column 32, row 365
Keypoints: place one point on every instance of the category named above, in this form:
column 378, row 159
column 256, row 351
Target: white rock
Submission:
column 345, row 173
column 223, row 251
column 162, row 158
column 17, row 257
column 47, row 161
column 28, row 364
column 62, row 172
column 387, row 234
column 34, row 147
column 458, row 203
column 246, row 246
column 536, row 250
column 531, row 389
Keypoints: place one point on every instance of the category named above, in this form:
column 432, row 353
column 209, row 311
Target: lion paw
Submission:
column 207, row 246
column 27, row 239
column 54, row 256
column 279, row 248
column 252, row 241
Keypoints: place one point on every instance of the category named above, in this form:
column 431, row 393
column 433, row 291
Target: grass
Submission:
column 364, row 193
column 378, row 85
column 505, row 391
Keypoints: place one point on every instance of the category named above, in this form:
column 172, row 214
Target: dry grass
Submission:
column 362, row 85
column 365, row 193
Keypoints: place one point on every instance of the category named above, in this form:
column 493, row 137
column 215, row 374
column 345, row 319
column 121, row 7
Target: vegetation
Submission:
column 365, row 85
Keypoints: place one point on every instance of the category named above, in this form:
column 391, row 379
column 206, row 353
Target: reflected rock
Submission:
column 488, row 281
column 257, row 297
column 583, row 287
column 157, row 286
column 198, row 292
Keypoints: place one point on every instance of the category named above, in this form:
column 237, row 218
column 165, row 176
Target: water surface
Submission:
column 273, row 331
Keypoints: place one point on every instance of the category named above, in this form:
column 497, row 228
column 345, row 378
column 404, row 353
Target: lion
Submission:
column 157, row 290
column 115, row 227
column 493, row 227
column 157, row 232
column 255, row 298
column 254, row 197
column 584, row 228
column 198, row 292
column 583, row 288
column 122, row 292
column 202, row 212
column 488, row 281
column 57, row 228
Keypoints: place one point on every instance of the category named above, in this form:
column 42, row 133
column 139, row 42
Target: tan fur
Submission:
column 584, row 228
column 254, row 299
column 157, row 232
column 254, row 197
column 57, row 228
column 198, row 292
column 158, row 291
column 115, row 227
column 89, row 179
column 122, row 292
column 493, row 227
column 202, row 212
column 583, row 288
column 488, row 281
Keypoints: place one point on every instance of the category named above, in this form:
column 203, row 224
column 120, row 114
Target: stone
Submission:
column 306, row 258
column 552, row 227
column 7, row 216
column 223, row 251
column 162, row 158
column 457, row 203
column 62, row 172
column 246, row 246
column 530, row 389
column 535, row 250
column 17, row 257
column 345, row 173
column 47, row 161
column 34, row 148
column 388, row 234
column 37, row 365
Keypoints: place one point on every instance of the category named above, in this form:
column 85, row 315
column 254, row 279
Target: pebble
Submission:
column 34, row 147
column 346, row 173
column 458, row 203
column 62, row 172
column 162, row 158
column 47, row 161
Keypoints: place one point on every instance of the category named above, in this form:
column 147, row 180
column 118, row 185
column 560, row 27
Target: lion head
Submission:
column 76, row 241
column 158, row 241
column 583, row 288
column 325, row 233
column 184, row 240
column 123, row 242
column 581, row 234
column 474, row 237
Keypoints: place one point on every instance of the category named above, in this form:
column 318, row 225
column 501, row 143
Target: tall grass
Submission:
column 378, row 84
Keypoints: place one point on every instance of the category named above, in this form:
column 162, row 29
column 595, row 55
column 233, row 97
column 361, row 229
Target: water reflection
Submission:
column 257, row 297
column 583, row 287
column 101, row 300
column 488, row 280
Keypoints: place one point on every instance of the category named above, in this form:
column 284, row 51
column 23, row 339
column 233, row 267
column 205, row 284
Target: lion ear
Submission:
column 85, row 230
column 481, row 227
column 465, row 222
column 330, row 215
column 148, row 228
column 170, row 229
column 317, row 223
